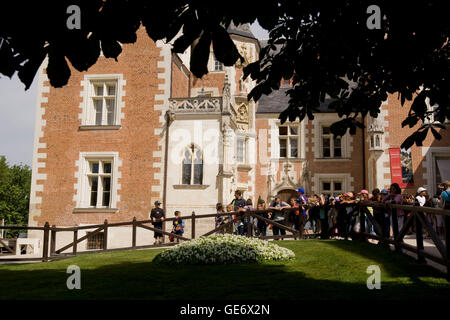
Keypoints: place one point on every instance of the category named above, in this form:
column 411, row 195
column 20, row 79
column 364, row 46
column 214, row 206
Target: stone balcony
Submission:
column 196, row 105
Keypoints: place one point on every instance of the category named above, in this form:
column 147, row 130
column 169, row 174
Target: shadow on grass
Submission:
column 396, row 264
column 272, row 281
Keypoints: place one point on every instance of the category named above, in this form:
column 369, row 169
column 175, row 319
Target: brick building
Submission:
column 124, row 134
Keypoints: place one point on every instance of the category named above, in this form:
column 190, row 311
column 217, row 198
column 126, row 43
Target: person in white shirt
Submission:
column 421, row 199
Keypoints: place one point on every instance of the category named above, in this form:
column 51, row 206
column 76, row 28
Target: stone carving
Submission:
column 242, row 117
column 196, row 104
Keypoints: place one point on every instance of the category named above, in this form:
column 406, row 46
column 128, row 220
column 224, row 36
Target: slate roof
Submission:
column 241, row 30
column 278, row 101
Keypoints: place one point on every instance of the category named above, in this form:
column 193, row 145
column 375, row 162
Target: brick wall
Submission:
column 135, row 141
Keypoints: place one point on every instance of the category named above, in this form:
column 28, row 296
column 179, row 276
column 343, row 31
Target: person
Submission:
column 261, row 225
column 350, row 219
column 332, row 216
column 293, row 215
column 438, row 218
column 421, row 196
column 395, row 197
column 178, row 225
column 445, row 203
column 248, row 207
column 232, row 226
column 364, row 197
column 238, row 206
column 445, row 196
column 277, row 215
column 302, row 201
column 157, row 216
column 220, row 220
column 314, row 212
column 323, row 216
column 408, row 199
column 423, row 201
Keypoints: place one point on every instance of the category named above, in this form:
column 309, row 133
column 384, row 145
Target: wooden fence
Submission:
column 50, row 252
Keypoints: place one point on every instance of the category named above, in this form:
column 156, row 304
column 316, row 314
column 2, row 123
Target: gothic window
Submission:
column 241, row 150
column 192, row 166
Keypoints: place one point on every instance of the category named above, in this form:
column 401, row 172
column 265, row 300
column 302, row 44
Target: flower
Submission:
column 223, row 249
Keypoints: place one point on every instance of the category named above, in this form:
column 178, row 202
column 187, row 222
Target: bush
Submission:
column 223, row 249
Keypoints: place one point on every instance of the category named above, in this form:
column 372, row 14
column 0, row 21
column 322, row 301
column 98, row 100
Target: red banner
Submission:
column 396, row 166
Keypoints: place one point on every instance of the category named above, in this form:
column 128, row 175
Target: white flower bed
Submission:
column 223, row 249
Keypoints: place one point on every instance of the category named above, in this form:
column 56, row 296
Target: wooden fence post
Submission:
column 75, row 244
column 45, row 245
column 53, row 241
column 300, row 224
column 105, row 238
column 133, row 241
column 395, row 228
column 419, row 238
column 193, row 225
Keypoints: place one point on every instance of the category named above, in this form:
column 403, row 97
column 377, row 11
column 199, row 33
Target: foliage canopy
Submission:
column 324, row 46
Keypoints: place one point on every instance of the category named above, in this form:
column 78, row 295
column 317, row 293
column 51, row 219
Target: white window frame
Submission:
column 83, row 195
column 331, row 137
column 288, row 137
column 212, row 63
column 89, row 94
column 326, row 120
column 100, row 175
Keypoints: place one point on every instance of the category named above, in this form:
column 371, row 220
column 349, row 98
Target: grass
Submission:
column 322, row 269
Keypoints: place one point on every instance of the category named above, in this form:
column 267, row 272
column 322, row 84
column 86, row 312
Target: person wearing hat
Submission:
column 157, row 216
column 421, row 196
column 302, row 200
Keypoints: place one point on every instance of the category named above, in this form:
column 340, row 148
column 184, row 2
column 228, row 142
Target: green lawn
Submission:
column 322, row 270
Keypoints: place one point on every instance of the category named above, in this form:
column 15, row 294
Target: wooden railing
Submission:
column 50, row 252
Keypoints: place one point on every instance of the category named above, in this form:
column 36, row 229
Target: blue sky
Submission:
column 17, row 112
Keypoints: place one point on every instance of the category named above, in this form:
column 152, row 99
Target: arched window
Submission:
column 192, row 166
column 377, row 140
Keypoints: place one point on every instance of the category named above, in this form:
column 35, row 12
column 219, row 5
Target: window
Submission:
column 331, row 187
column 99, row 177
column 192, row 166
column 218, row 66
column 331, row 145
column 241, row 150
column 95, row 241
column 289, row 140
column 104, row 102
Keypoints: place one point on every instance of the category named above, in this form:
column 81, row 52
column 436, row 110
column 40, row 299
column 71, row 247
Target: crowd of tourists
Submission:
column 330, row 216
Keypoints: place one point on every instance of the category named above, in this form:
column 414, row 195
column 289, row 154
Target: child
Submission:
column 178, row 225
column 219, row 219
column 231, row 228
column 261, row 225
